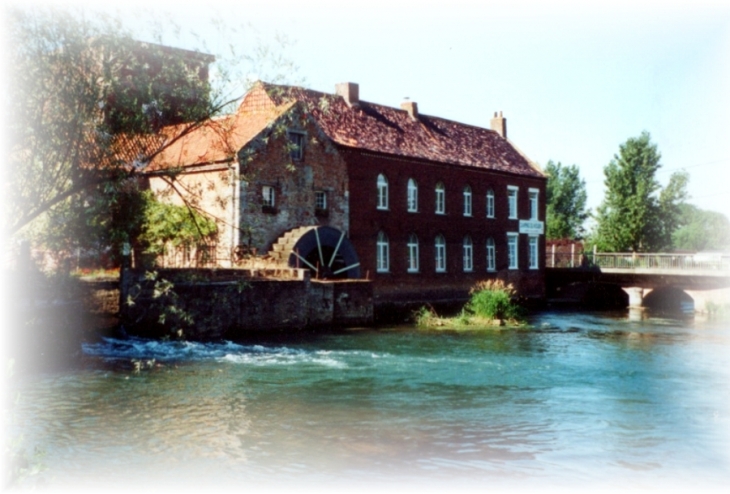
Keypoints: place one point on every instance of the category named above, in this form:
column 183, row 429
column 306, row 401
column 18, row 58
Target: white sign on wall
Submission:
column 532, row 227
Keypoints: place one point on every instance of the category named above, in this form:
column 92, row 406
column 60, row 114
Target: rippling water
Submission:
column 570, row 401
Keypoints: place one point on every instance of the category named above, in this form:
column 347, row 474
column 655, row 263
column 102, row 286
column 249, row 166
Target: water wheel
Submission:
column 324, row 250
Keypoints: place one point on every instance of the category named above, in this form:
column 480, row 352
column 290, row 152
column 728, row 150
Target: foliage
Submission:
column 566, row 202
column 701, row 230
column 166, row 224
column 718, row 311
column 637, row 214
column 492, row 302
column 85, row 102
column 494, row 299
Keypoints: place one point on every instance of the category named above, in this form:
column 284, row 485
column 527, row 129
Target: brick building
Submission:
column 423, row 206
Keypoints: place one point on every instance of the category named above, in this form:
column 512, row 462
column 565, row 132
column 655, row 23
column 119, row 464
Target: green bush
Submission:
column 494, row 300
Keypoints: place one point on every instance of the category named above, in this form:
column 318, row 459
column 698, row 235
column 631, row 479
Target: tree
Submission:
column 637, row 214
column 701, row 230
column 566, row 201
column 86, row 102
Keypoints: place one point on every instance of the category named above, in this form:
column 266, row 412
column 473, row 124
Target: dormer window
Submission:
column 296, row 145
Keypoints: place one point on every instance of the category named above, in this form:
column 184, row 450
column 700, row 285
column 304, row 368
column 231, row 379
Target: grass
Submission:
column 491, row 304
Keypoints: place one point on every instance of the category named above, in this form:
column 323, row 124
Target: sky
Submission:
column 573, row 79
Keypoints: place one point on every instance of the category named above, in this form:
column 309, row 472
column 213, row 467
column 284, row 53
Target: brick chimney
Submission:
column 350, row 91
column 411, row 107
column 499, row 124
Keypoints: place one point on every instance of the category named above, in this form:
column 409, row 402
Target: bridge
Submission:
column 705, row 277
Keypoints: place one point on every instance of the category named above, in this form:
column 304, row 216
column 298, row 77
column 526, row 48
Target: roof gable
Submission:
column 219, row 139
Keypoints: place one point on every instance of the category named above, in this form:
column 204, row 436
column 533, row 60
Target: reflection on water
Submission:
column 608, row 399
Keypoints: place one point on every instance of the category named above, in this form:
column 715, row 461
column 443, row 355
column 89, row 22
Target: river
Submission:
column 570, row 401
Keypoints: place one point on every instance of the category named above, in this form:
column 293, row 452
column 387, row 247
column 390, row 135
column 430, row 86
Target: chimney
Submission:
column 499, row 124
column 350, row 91
column 411, row 107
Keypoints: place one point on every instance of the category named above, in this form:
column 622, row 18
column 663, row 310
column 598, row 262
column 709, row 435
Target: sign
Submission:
column 532, row 227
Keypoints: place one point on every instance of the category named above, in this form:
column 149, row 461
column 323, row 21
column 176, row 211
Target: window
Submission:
column 512, row 201
column 412, row 196
column 296, row 145
column 440, row 254
column 467, row 201
column 412, row 253
column 534, row 262
column 268, row 196
column 534, row 194
column 491, row 255
column 513, row 262
column 382, row 192
column 490, row 203
column 320, row 200
column 382, row 253
column 468, row 254
column 440, row 198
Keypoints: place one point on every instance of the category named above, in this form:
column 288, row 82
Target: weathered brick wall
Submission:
column 397, row 223
column 295, row 184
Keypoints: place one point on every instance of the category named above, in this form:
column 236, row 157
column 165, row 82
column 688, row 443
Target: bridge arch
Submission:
column 668, row 298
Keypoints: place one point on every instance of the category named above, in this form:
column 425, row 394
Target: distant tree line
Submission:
column 637, row 214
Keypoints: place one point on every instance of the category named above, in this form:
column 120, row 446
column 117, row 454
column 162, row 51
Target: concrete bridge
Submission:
column 705, row 277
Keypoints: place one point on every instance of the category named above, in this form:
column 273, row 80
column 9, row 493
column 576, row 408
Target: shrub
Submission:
column 493, row 299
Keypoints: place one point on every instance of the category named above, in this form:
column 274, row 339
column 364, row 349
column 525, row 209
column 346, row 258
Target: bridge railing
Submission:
column 630, row 260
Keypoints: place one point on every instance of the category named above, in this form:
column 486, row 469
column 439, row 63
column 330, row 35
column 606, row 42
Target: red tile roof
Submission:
column 367, row 126
column 217, row 140
column 383, row 129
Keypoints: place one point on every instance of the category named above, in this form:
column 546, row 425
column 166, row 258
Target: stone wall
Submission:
column 225, row 304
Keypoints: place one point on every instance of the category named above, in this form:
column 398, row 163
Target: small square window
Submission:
column 296, row 145
column 320, row 200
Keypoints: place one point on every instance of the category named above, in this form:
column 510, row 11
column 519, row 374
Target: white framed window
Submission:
column 440, row 254
column 490, row 203
column 534, row 194
column 268, row 196
column 468, row 254
column 382, row 253
column 412, row 253
column 320, row 200
column 512, row 201
column 382, row 192
column 412, row 196
column 534, row 259
column 512, row 251
column 440, row 198
column 296, row 144
column 467, row 201
column 491, row 255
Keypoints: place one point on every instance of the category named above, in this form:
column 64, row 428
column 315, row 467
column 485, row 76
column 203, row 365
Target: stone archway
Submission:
column 668, row 298
column 325, row 251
